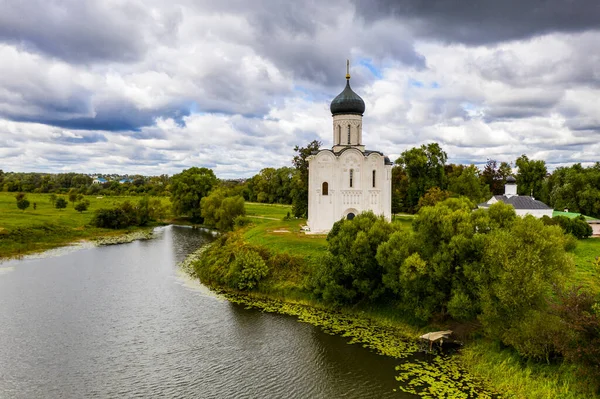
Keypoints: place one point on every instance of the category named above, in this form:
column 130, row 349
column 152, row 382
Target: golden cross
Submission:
column 347, row 69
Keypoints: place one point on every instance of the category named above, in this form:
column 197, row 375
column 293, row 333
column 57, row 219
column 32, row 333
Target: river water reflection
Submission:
column 122, row 321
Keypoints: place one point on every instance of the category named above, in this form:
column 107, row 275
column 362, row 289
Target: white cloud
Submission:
column 236, row 88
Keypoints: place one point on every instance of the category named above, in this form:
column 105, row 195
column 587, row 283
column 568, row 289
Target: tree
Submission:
column 425, row 267
column 399, row 188
column 432, row 197
column 82, row 206
column 23, row 204
column 521, row 265
column 349, row 273
column 300, row 179
column 424, row 167
column 52, row 199
column 467, row 183
column 220, row 211
column 60, row 203
column 187, row 190
column 531, row 176
column 20, row 196
column 72, row 196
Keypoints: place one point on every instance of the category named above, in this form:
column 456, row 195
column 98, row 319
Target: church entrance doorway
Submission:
column 350, row 216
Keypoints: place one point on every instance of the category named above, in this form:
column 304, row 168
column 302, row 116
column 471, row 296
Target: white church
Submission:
column 347, row 179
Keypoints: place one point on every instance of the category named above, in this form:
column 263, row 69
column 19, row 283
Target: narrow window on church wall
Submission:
column 339, row 128
column 348, row 134
column 325, row 188
column 351, row 176
column 373, row 179
column 358, row 134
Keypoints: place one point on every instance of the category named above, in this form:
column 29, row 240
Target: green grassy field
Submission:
column 46, row 227
column 272, row 231
column 587, row 272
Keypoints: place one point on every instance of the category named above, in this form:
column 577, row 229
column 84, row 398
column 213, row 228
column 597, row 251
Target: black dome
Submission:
column 511, row 179
column 347, row 102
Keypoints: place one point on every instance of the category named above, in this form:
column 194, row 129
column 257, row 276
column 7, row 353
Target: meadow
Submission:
column 45, row 227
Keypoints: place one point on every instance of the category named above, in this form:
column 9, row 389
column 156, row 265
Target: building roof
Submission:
column 519, row 202
column 511, row 179
column 347, row 102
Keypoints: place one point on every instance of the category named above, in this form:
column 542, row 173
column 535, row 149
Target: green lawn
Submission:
column 587, row 274
column 272, row 231
column 570, row 215
column 47, row 227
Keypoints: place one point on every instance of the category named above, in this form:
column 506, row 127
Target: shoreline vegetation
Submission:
column 31, row 231
column 481, row 368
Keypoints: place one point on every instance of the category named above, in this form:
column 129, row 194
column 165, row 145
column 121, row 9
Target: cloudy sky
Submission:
column 157, row 86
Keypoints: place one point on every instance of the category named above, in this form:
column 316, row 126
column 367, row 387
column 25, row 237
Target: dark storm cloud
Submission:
column 84, row 31
column 475, row 22
column 111, row 117
column 302, row 38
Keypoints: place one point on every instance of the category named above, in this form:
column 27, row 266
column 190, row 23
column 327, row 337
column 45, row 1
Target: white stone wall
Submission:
column 342, row 199
column 538, row 213
column 340, row 132
column 510, row 190
column 595, row 229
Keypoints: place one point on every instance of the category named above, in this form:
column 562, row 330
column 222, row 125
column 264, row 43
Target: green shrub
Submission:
column 241, row 221
column 248, row 269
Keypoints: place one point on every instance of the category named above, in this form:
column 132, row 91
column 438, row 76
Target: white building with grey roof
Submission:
column 523, row 204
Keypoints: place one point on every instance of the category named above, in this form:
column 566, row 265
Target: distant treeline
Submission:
column 62, row 183
column 420, row 177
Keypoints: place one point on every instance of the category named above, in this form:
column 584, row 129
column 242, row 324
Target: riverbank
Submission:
column 289, row 254
column 45, row 227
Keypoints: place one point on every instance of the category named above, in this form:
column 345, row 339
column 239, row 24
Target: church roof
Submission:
column 347, row 102
column 519, row 202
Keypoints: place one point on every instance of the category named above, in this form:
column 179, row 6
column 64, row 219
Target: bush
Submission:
column 220, row 211
column 115, row 218
column 350, row 273
column 23, row 204
column 579, row 340
column 248, row 269
column 241, row 221
column 578, row 226
column 82, row 206
column 60, row 203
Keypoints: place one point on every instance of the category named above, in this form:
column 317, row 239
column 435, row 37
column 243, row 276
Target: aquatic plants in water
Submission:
column 441, row 377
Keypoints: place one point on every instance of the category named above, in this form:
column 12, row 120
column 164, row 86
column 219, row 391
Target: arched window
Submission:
column 351, row 176
column 373, row 178
column 325, row 188
column 339, row 140
column 348, row 134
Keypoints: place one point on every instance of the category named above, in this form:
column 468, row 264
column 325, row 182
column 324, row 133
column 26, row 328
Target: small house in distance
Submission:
column 523, row 204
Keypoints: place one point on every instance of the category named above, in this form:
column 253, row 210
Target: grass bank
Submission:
column 45, row 227
column 479, row 359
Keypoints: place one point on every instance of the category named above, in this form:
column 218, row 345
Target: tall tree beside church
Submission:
column 300, row 179
column 399, row 188
column 495, row 176
column 424, row 167
column 530, row 179
column 466, row 182
column 188, row 188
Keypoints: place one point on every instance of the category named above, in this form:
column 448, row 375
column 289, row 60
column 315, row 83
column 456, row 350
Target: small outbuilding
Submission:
column 523, row 204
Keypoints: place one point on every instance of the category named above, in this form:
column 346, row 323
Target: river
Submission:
column 123, row 321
